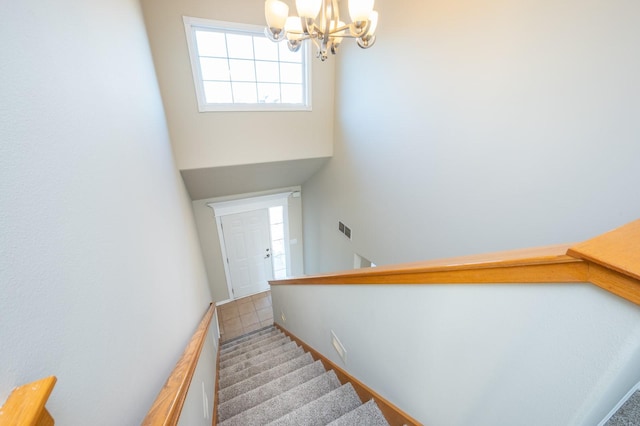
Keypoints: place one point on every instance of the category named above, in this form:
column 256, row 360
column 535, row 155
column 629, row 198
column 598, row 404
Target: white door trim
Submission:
column 223, row 208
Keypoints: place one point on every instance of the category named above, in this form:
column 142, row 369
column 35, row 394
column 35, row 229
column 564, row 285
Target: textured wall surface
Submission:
column 471, row 127
column 101, row 276
column 214, row 139
column 481, row 355
column 477, row 126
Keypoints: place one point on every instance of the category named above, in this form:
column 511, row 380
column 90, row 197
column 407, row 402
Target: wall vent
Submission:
column 344, row 229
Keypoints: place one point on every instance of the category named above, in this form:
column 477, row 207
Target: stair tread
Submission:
column 256, row 359
column 367, row 414
column 268, row 362
column 283, row 403
column 324, row 409
column 269, row 390
column 237, row 351
column 264, row 377
column 266, row 347
column 229, row 345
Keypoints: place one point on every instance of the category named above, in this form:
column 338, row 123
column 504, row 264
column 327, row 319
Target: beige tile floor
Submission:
column 245, row 315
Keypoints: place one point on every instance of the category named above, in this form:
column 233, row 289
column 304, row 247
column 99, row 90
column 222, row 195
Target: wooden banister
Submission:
column 618, row 250
column 26, row 404
column 167, row 407
column 613, row 259
column 537, row 265
column 610, row 261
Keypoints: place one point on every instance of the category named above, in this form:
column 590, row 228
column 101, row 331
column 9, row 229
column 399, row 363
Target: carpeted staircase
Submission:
column 267, row 379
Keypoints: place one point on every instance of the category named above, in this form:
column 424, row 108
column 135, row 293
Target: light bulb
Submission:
column 293, row 28
column 308, row 8
column 373, row 18
column 276, row 12
column 359, row 10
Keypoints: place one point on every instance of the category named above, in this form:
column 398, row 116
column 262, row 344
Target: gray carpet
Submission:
column 252, row 352
column 239, row 350
column 265, row 378
column 628, row 414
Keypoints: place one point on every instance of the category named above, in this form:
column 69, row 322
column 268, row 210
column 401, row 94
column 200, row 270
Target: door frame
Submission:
column 224, row 208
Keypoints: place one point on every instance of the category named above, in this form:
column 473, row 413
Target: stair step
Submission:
column 367, row 414
column 267, row 379
column 264, row 377
column 269, row 390
column 285, row 402
column 256, row 359
column 229, row 343
column 267, row 363
column 266, row 347
column 323, row 410
column 243, row 349
column 256, row 335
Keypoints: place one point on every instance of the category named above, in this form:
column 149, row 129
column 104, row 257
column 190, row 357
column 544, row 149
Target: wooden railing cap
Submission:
column 26, row 404
column 618, row 250
column 458, row 269
column 610, row 261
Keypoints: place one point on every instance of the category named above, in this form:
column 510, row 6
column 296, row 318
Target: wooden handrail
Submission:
column 618, row 250
column 614, row 260
column 167, row 407
column 538, row 265
column 610, row 261
column 26, row 404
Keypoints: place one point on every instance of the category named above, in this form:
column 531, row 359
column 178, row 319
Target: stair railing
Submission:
column 168, row 405
column 609, row 261
column 26, row 404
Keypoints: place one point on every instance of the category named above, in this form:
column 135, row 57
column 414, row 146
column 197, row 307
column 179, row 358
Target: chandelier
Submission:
column 327, row 31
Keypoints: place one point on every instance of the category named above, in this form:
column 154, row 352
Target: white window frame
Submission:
column 192, row 24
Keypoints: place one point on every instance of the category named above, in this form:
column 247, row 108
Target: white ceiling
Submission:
column 230, row 180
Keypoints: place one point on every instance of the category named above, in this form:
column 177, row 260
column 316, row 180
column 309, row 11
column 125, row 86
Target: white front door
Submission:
column 248, row 246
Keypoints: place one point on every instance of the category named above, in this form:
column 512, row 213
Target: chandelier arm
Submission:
column 315, row 42
column 335, row 15
column 353, row 29
column 303, row 36
column 313, row 30
column 326, row 20
column 310, row 28
column 338, row 29
column 305, row 25
column 365, row 44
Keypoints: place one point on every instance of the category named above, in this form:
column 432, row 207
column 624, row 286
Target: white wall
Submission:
column 477, row 355
column 101, row 276
column 480, row 126
column 210, row 240
column 214, row 139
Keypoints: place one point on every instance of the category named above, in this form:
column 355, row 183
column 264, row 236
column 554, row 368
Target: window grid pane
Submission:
column 255, row 71
column 233, row 64
column 278, row 251
column 226, row 43
column 210, row 44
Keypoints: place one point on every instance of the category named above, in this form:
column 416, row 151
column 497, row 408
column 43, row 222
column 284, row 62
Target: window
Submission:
column 278, row 252
column 236, row 68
